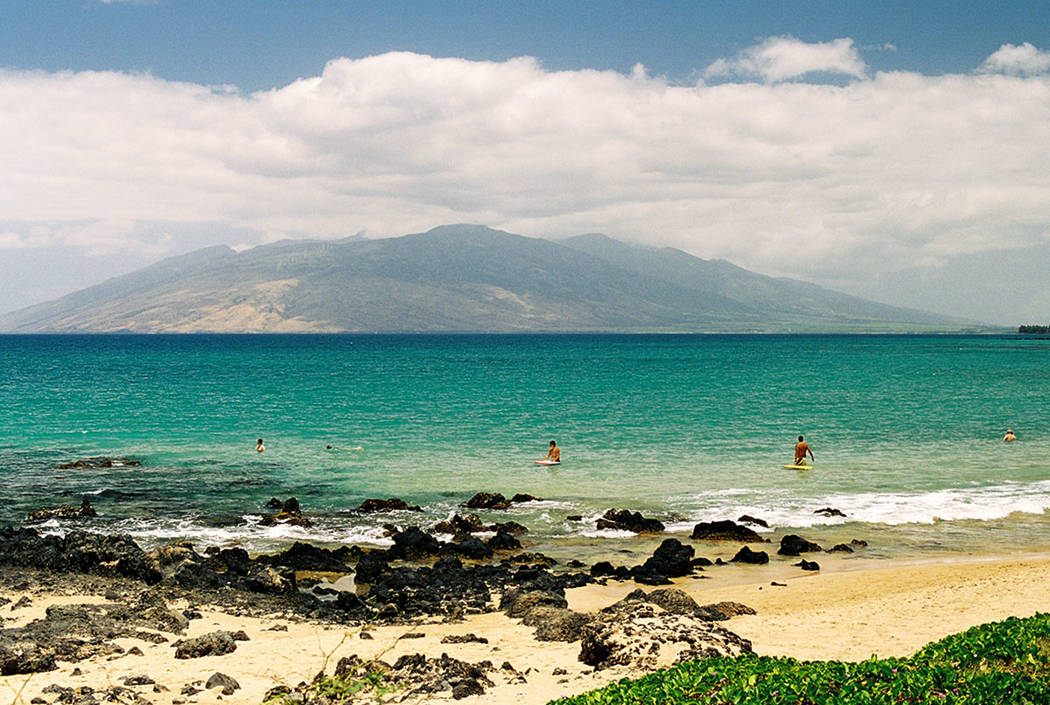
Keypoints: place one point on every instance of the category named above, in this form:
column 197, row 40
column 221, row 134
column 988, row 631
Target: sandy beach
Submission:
column 849, row 611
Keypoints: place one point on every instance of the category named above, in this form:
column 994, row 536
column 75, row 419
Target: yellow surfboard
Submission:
column 798, row 467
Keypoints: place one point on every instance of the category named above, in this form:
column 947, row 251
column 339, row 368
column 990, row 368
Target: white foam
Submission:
column 608, row 534
column 781, row 508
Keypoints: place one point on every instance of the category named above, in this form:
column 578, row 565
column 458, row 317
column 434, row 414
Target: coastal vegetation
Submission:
column 1034, row 329
column 1002, row 662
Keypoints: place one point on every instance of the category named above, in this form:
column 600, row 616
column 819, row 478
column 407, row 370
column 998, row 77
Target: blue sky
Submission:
column 894, row 150
column 256, row 45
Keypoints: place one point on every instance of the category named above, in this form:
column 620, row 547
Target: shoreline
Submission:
column 851, row 610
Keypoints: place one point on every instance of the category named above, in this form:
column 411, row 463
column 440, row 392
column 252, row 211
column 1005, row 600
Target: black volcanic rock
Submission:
column 792, row 545
column 725, row 530
column 626, row 520
column 77, row 552
column 387, row 505
column 671, row 559
column 413, row 542
column 65, row 511
column 488, row 500
column 213, row 644
column 304, row 556
column 509, row 527
column 748, row 519
column 746, row 555
column 503, row 541
column 470, row 524
column 474, row 548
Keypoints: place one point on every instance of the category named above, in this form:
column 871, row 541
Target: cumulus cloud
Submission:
column 787, row 58
column 1018, row 60
column 824, row 182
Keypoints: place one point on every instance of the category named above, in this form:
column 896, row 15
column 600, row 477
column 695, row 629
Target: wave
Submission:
column 781, row 508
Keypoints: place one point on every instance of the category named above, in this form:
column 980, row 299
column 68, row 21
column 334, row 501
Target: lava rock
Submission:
column 470, row 524
column 635, row 633
column 840, row 548
column 25, row 658
column 671, row 559
column 792, row 545
column 114, row 555
column 474, row 548
column 748, row 519
column 102, row 462
column 518, row 603
column 216, row 643
column 509, row 527
column 725, row 530
column 65, row 511
column 503, row 541
column 488, row 500
column 221, row 680
column 413, row 542
column 521, row 497
column 626, row 520
column 304, row 556
column 463, row 639
column 721, row 611
column 746, row 555
column 369, row 567
column 556, row 623
column 830, row 512
column 387, row 505
column 808, row 565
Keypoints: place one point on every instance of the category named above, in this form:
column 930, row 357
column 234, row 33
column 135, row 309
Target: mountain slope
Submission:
column 456, row 278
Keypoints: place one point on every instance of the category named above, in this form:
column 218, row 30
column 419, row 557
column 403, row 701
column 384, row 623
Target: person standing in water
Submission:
column 801, row 448
column 259, row 446
column 554, row 454
column 1009, row 436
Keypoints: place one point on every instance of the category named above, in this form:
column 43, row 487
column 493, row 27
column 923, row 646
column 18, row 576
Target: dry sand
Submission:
column 842, row 613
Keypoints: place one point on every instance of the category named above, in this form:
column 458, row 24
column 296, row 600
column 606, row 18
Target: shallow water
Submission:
column 906, row 432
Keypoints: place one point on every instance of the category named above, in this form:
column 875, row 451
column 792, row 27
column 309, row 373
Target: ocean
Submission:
column 906, row 431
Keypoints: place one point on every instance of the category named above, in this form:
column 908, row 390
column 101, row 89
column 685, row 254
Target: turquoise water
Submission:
column 906, row 432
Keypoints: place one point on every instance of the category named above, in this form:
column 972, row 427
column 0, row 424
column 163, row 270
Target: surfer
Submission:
column 259, row 446
column 801, row 448
column 554, row 454
column 1009, row 436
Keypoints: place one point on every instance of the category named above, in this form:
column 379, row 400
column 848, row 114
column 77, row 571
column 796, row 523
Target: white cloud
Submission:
column 786, row 58
column 1018, row 60
column 824, row 182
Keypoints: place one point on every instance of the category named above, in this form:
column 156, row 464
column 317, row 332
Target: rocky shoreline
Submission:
column 155, row 595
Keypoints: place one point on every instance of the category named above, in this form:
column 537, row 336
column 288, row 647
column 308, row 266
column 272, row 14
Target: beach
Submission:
column 143, row 494
column 843, row 612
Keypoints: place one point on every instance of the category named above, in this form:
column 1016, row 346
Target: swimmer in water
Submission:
column 801, row 448
column 259, row 446
column 1009, row 436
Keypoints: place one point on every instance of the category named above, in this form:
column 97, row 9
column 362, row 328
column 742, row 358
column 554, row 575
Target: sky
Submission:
column 897, row 150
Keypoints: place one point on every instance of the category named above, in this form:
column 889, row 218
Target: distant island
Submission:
column 462, row 279
column 1042, row 330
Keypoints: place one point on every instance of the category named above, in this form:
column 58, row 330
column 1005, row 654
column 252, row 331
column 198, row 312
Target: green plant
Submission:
column 1004, row 663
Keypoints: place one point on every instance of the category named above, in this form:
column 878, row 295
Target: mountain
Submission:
column 458, row 278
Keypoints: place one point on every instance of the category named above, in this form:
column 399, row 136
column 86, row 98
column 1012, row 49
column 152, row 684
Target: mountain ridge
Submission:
column 459, row 278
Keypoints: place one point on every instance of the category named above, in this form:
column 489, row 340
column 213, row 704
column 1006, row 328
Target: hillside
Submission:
column 458, row 278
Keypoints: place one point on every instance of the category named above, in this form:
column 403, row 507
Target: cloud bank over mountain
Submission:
column 865, row 178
